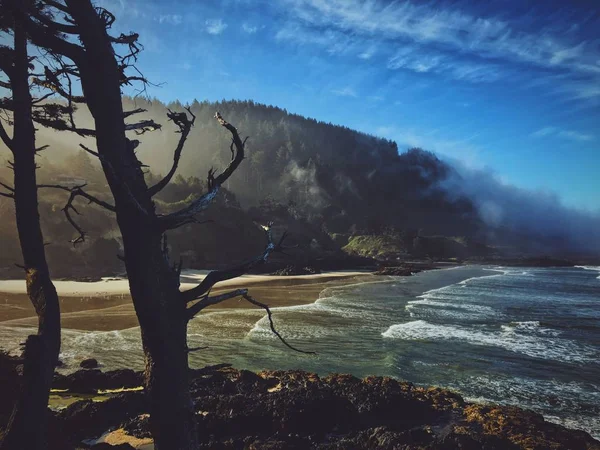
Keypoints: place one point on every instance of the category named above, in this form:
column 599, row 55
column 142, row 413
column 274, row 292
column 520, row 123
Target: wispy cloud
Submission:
column 447, row 41
column 171, row 19
column 419, row 59
column 333, row 41
column 562, row 133
column 250, row 29
column 368, row 53
column 345, row 92
column 215, row 26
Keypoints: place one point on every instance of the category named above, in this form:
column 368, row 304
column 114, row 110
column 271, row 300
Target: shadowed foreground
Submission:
column 294, row 410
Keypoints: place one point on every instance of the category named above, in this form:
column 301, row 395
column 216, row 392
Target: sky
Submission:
column 511, row 87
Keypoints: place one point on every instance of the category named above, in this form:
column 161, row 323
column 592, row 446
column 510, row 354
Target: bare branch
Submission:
column 74, row 193
column 133, row 111
column 5, row 137
column 56, row 89
column 185, row 125
column 195, row 349
column 207, row 301
column 272, row 325
column 217, row 276
column 80, row 192
column 176, row 219
column 7, row 195
column 143, row 126
column 7, row 187
column 107, row 163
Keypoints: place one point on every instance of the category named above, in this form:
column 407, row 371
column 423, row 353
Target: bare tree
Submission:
column 26, row 427
column 81, row 40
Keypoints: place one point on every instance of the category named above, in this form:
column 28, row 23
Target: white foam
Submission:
column 593, row 268
column 538, row 347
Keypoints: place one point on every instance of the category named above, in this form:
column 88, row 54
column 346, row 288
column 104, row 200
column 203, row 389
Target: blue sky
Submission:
column 511, row 86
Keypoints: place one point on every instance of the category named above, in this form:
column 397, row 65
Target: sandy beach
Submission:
column 106, row 305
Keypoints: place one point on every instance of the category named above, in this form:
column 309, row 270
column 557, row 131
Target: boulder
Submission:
column 90, row 363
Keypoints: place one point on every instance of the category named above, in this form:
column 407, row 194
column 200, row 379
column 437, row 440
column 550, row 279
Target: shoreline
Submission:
column 107, row 305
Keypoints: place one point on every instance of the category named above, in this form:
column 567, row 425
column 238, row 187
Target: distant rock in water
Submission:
column 90, row 363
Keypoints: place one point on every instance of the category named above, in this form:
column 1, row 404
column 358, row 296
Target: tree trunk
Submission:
column 153, row 284
column 26, row 428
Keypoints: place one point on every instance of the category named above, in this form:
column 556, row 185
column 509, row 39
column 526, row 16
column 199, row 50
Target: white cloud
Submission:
column 368, row 53
column 345, row 92
column 171, row 19
column 333, row 41
column 425, row 23
column 449, row 40
column 562, row 133
column 249, row 29
column 546, row 131
column 420, row 60
column 215, row 26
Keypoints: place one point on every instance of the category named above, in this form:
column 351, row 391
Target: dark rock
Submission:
column 89, row 381
column 105, row 446
column 239, row 409
column 90, row 363
column 404, row 270
column 88, row 419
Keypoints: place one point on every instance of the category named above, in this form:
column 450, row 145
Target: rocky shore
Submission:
column 239, row 409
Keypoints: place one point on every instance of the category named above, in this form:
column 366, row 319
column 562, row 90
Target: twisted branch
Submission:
column 178, row 218
column 74, row 193
column 214, row 300
column 217, row 276
column 185, row 125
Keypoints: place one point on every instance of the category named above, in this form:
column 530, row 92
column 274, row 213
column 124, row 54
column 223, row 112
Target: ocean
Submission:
column 528, row 337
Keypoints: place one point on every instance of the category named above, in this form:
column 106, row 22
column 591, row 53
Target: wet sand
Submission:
column 107, row 306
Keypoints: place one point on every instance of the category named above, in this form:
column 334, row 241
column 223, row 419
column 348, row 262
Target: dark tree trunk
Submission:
column 154, row 285
column 26, row 428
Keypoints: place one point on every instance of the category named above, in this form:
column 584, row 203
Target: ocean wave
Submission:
column 543, row 347
column 592, row 268
column 543, row 396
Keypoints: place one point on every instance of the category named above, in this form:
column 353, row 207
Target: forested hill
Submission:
column 337, row 178
column 337, row 191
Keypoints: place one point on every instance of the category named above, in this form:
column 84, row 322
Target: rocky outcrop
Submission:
column 90, row 381
column 239, row 409
column 404, row 270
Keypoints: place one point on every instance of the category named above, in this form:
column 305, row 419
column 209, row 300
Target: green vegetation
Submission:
column 380, row 247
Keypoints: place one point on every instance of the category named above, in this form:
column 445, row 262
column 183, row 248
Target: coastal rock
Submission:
column 89, row 381
column 404, row 270
column 88, row 419
column 294, row 409
column 90, row 363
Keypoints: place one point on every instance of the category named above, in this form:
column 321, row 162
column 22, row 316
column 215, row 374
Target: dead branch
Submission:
column 176, row 219
column 5, row 137
column 133, row 111
column 272, row 325
column 185, row 125
column 104, row 161
column 217, row 276
column 207, row 301
column 143, row 126
column 74, row 192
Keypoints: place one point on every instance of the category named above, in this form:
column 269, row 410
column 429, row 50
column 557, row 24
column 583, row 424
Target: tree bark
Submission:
column 154, row 285
column 26, row 428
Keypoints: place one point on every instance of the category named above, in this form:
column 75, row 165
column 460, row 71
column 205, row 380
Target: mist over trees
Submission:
column 318, row 178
